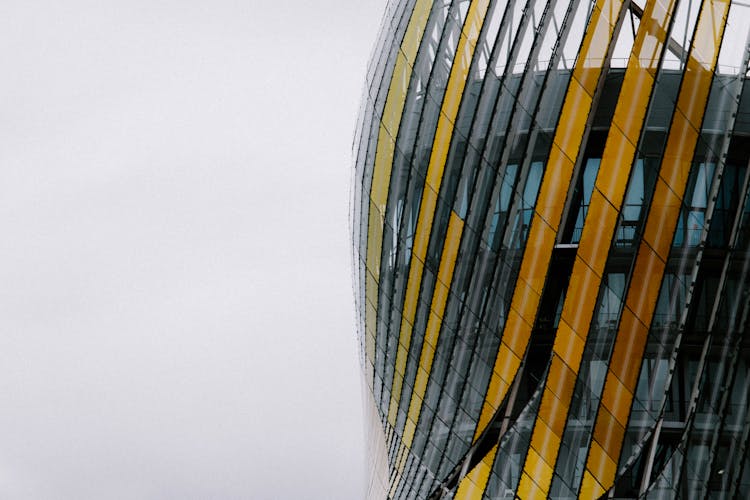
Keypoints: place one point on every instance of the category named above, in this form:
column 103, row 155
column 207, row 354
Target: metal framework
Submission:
column 551, row 227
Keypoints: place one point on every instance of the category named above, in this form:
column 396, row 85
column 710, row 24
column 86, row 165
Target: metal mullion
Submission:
column 534, row 54
column 398, row 228
column 395, row 400
column 477, row 179
column 718, row 174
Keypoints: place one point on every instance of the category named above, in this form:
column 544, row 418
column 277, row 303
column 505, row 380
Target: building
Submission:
column 552, row 249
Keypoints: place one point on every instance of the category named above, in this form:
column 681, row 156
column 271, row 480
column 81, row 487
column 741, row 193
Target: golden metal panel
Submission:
column 529, row 490
column 675, row 163
column 538, row 469
column 381, row 175
column 472, row 486
column 596, row 44
column 370, row 328
column 617, row 159
column 533, row 270
column 562, row 379
column 608, row 433
column 645, row 283
column 599, row 464
column 527, row 307
column 557, row 175
column 543, row 441
column 611, row 182
column 506, row 365
column 568, row 348
column 435, row 320
column 617, row 398
column 454, row 90
column 660, row 223
column 642, row 295
column 590, row 488
column 517, row 333
column 629, row 120
column 549, row 203
column 603, row 217
column 573, row 119
column 553, row 412
column 631, row 337
column 415, row 28
column 581, row 297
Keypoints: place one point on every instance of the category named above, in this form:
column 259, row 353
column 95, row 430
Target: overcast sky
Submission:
column 175, row 300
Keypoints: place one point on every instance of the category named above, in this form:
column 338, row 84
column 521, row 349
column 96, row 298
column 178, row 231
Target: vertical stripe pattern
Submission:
column 550, row 208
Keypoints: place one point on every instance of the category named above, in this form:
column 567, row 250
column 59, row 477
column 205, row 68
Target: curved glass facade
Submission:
column 551, row 231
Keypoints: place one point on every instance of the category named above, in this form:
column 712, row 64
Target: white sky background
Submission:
column 175, row 300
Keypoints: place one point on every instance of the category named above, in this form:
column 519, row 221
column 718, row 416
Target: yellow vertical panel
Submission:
column 409, row 428
column 615, row 166
column 371, row 286
column 553, row 412
column 415, row 405
column 407, row 317
column 505, row 368
column 450, row 250
column 374, row 233
column 434, row 320
column 403, row 455
column 472, row 486
column 611, row 182
column 544, row 441
column 568, row 347
column 714, row 18
column 594, row 244
column 590, row 488
column 517, row 332
column 616, row 398
column 550, row 202
column 415, row 28
column 439, row 154
column 424, row 226
column 608, row 433
column 533, row 270
column 631, row 337
column 693, row 101
column 580, row 300
column 647, row 273
column 497, row 389
column 412, row 296
column 649, row 267
column 601, row 465
column 381, row 176
column 538, row 469
column 648, row 51
column 676, row 163
column 661, row 219
column 528, row 307
column 395, row 99
column 439, row 300
column 596, row 44
column 529, row 490
column 370, row 313
column 454, row 89
column 562, row 379
column 557, row 174
column 630, row 120
column 460, row 72
column 573, row 119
